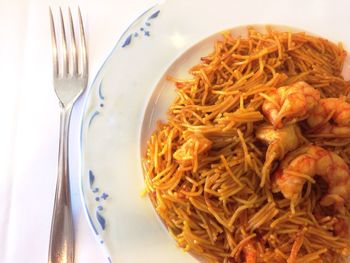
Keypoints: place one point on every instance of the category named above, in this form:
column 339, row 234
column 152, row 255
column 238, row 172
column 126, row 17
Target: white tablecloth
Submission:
column 29, row 122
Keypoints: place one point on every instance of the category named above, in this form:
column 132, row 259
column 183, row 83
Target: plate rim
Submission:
column 86, row 99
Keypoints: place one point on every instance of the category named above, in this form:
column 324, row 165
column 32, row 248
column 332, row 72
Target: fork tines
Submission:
column 73, row 60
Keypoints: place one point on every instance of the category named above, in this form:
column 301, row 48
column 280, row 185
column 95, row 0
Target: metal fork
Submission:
column 70, row 75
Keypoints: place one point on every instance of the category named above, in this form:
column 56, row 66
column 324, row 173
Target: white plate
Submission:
column 111, row 181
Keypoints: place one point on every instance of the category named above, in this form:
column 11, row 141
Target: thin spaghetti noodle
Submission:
column 203, row 166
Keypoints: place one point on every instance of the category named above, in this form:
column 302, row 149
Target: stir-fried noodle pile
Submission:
column 204, row 167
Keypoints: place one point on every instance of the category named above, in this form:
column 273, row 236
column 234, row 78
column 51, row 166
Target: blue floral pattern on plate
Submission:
column 144, row 30
column 98, row 198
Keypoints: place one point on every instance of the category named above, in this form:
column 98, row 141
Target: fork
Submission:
column 70, row 76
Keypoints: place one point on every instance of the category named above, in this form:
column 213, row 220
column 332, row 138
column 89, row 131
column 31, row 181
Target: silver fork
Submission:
column 70, row 75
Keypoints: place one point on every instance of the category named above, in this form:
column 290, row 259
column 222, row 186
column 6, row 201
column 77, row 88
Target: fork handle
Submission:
column 61, row 248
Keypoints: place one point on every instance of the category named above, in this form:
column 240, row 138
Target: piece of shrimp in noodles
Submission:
column 330, row 116
column 308, row 162
column 195, row 146
column 280, row 142
column 290, row 103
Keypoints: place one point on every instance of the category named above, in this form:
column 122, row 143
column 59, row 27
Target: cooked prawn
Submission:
column 187, row 154
column 336, row 110
column 307, row 162
column 280, row 142
column 290, row 103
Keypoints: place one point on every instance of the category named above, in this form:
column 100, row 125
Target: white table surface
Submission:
column 30, row 122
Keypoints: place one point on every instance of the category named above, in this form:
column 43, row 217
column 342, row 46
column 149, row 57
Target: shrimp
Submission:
column 280, row 142
column 290, row 103
column 336, row 110
column 306, row 163
column 187, row 154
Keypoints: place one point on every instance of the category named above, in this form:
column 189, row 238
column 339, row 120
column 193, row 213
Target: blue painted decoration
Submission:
column 98, row 198
column 101, row 220
column 91, row 178
column 147, row 33
column 93, row 117
column 127, row 41
column 100, row 91
column 104, row 196
column 154, row 15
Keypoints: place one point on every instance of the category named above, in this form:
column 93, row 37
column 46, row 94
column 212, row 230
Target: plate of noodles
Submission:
column 218, row 132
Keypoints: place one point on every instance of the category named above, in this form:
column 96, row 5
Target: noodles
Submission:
column 203, row 166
